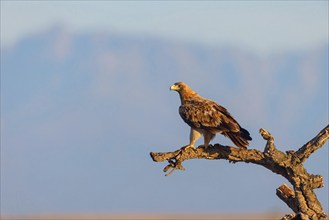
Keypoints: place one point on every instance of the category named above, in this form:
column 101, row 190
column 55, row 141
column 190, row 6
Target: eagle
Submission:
column 207, row 118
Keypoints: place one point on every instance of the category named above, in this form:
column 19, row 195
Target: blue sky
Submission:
column 263, row 26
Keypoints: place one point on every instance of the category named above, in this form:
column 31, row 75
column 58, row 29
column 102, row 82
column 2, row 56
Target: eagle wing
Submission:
column 206, row 114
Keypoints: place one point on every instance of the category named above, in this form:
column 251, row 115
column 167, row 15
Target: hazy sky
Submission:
column 258, row 25
column 80, row 115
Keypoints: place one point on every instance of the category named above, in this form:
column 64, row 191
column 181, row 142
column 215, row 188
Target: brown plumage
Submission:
column 207, row 118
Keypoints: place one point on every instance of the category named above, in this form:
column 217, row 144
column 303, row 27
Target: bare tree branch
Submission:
column 310, row 147
column 286, row 194
column 301, row 199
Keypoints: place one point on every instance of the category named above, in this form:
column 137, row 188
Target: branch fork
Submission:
column 301, row 199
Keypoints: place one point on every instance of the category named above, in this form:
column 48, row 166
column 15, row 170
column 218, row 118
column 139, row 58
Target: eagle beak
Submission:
column 174, row 87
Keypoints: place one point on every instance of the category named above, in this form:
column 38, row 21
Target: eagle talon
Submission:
column 188, row 147
column 203, row 147
column 210, row 146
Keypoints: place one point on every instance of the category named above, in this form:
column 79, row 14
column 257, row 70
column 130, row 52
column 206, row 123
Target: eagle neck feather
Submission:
column 188, row 94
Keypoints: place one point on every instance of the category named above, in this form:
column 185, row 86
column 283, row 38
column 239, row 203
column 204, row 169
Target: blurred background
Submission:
column 85, row 97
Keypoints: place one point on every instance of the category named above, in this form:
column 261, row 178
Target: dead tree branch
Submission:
column 301, row 199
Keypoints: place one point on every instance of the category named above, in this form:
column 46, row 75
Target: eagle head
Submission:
column 184, row 91
column 179, row 86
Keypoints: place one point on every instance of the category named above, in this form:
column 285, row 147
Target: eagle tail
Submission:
column 245, row 134
column 240, row 138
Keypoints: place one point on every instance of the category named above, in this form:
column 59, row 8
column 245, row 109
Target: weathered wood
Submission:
column 301, row 199
column 286, row 194
column 310, row 147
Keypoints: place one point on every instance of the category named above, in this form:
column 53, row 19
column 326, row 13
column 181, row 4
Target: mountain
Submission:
column 81, row 112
